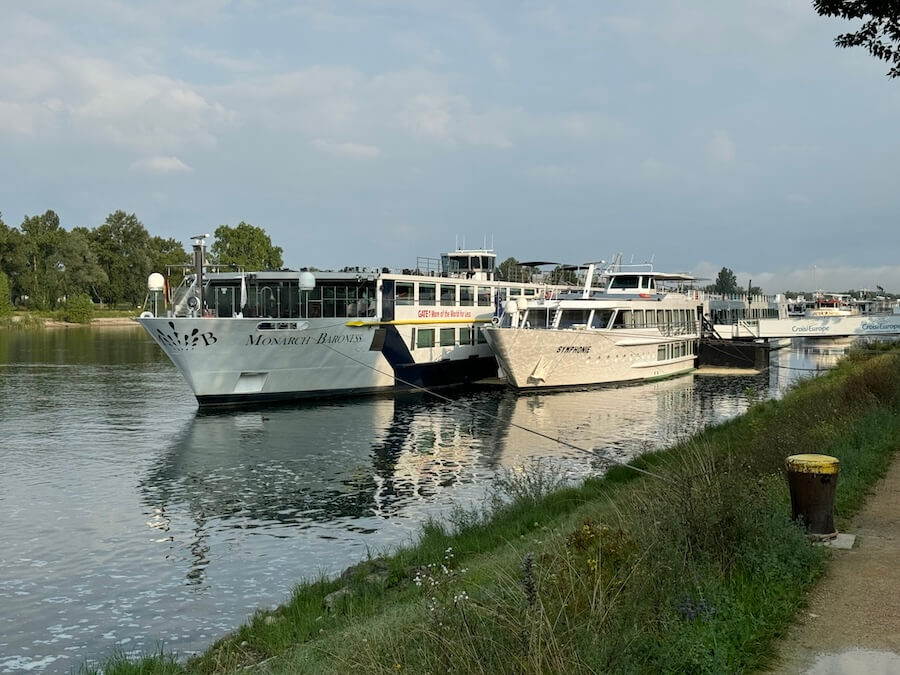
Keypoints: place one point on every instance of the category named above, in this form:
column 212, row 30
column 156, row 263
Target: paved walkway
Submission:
column 852, row 624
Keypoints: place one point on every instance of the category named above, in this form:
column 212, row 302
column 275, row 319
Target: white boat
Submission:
column 239, row 337
column 642, row 325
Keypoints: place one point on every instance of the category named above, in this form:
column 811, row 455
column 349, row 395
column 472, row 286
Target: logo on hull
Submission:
column 182, row 342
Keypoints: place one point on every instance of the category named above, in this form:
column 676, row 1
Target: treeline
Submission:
column 42, row 264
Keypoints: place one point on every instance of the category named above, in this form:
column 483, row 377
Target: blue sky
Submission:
column 370, row 132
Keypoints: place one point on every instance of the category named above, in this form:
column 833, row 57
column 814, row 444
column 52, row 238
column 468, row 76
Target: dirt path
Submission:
column 854, row 612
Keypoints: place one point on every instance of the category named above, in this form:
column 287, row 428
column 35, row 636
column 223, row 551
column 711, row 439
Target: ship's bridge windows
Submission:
column 427, row 294
column 601, row 318
column 448, row 295
column 529, row 291
column 466, row 296
column 404, row 293
column 625, row 281
column 574, row 317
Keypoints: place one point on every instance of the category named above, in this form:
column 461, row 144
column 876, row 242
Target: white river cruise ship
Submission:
column 643, row 325
column 240, row 337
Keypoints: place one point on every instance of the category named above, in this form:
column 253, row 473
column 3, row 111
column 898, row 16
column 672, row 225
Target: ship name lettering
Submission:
column 571, row 349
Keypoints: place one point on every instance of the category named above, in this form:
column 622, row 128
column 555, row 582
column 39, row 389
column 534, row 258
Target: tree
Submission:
column 42, row 282
column 12, row 258
column 726, row 282
column 245, row 246
column 81, row 272
column 879, row 33
column 512, row 270
column 166, row 254
column 122, row 245
column 6, row 307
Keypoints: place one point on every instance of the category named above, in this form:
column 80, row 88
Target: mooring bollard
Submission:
column 812, row 480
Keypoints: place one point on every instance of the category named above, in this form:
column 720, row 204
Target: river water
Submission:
column 130, row 519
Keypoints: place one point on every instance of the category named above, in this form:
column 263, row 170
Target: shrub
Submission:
column 79, row 309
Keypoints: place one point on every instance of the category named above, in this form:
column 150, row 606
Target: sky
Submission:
column 697, row 134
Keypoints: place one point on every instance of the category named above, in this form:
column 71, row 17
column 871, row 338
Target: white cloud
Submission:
column 721, row 149
column 161, row 165
column 221, row 59
column 353, row 150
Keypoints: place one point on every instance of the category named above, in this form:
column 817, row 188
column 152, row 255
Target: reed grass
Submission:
column 698, row 569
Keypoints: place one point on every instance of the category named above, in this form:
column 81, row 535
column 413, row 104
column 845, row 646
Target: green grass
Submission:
column 698, row 569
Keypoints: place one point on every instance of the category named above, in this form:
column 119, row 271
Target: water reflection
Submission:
column 347, row 470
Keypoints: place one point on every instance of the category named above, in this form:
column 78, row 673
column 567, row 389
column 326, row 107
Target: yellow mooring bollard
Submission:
column 812, row 480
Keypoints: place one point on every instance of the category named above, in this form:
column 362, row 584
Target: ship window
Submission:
column 404, row 293
column 537, row 318
column 484, row 296
column 426, row 294
column 481, row 339
column 466, row 296
column 425, row 337
column 650, row 317
column 528, row 291
column 625, row 281
column 661, row 318
column 601, row 318
column 639, row 318
column 465, row 336
column 574, row 317
column 624, row 319
column 448, row 295
column 448, row 337
column 661, row 353
column 280, row 325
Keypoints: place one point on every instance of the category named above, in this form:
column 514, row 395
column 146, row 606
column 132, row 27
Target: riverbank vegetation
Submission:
column 43, row 266
column 685, row 561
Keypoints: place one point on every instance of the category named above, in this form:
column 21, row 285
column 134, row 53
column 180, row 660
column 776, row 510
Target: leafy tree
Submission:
column 122, row 245
column 81, row 272
column 879, row 33
column 245, row 246
column 512, row 270
column 166, row 254
column 12, row 257
column 726, row 282
column 79, row 308
column 42, row 282
column 6, row 307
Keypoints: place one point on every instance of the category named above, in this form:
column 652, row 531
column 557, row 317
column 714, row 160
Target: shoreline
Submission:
column 32, row 321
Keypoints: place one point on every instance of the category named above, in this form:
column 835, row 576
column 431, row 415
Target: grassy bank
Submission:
column 691, row 566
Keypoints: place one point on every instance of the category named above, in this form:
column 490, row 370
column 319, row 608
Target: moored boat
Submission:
column 243, row 337
column 642, row 325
